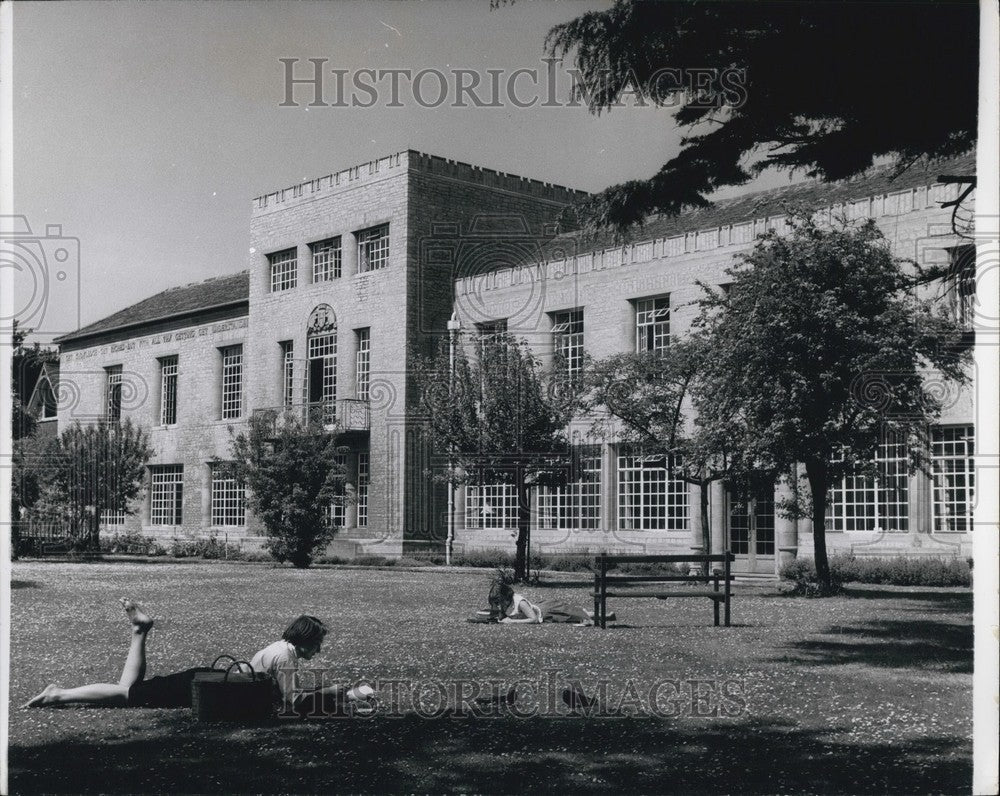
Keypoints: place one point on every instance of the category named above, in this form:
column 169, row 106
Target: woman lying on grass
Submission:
column 511, row 607
column 302, row 639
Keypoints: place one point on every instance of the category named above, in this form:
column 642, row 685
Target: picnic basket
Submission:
column 225, row 695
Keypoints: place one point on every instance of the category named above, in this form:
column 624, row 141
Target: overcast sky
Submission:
column 145, row 130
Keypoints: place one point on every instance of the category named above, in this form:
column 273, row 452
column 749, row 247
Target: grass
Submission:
column 863, row 693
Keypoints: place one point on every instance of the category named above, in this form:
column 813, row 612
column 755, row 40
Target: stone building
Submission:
column 351, row 273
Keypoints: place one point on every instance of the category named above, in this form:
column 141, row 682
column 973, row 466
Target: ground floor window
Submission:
column 228, row 497
column 112, row 518
column 364, row 477
column 650, row 495
column 577, row 505
column 952, row 450
column 874, row 503
column 491, row 506
column 338, row 508
column 751, row 523
column 166, row 497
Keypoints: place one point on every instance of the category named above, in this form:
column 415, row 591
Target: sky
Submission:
column 144, row 130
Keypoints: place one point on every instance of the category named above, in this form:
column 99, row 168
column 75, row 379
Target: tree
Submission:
column 820, row 350
column 92, row 469
column 747, row 78
column 500, row 420
column 649, row 398
column 293, row 477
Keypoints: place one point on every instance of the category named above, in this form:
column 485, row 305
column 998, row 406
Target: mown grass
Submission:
column 863, row 693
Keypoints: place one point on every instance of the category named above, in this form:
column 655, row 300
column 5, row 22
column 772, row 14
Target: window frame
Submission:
column 373, row 241
column 169, row 381
column 326, row 271
column 231, row 384
column 171, row 504
column 283, row 269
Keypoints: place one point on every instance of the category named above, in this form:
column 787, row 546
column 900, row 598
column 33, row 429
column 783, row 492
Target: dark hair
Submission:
column 305, row 631
column 501, row 593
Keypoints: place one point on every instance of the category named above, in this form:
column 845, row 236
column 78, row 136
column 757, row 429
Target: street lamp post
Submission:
column 454, row 326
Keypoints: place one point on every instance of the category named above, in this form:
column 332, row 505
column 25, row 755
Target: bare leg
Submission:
column 106, row 694
column 135, row 662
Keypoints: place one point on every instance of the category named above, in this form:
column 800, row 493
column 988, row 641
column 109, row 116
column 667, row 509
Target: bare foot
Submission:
column 43, row 699
column 140, row 622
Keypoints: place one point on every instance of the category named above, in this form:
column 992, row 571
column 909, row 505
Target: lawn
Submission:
column 870, row 692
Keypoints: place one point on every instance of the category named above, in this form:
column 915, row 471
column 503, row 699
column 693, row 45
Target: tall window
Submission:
column 952, row 450
column 567, row 341
column 874, row 503
column 113, row 393
column 112, row 518
column 577, row 505
column 650, row 496
column 166, row 496
column 962, row 284
column 322, row 354
column 284, row 269
column 364, row 477
column 232, row 381
column 652, row 324
column 168, row 391
column 373, row 248
column 325, row 259
column 287, row 373
column 363, row 363
column 228, row 497
column 338, row 508
column 491, row 506
column 489, row 329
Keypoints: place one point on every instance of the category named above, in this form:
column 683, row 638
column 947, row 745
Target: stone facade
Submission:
column 381, row 255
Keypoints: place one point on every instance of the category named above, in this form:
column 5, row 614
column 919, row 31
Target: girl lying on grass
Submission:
column 302, row 639
column 510, row 607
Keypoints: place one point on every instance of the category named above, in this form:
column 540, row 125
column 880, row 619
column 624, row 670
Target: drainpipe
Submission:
column 453, row 328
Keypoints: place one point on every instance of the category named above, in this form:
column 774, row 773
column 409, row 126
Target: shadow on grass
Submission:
column 486, row 755
column 25, row 584
column 898, row 643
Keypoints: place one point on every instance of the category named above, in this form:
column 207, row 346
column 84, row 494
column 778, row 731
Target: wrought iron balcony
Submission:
column 344, row 414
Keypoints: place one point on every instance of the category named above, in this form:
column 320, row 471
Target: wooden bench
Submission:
column 620, row 585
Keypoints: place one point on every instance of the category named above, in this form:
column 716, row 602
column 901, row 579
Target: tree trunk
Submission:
column 818, row 474
column 523, row 520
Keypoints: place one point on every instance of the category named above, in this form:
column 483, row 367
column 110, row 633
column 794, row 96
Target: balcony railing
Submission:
column 345, row 414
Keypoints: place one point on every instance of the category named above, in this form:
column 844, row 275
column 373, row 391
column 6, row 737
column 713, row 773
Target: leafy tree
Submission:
column 501, row 419
column 293, row 476
column 751, row 78
column 92, row 469
column 648, row 399
column 820, row 351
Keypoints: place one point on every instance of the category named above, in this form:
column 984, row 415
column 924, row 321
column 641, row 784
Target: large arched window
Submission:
column 321, row 355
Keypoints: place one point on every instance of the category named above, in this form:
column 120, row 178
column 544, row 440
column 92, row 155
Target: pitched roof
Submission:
column 811, row 195
column 189, row 299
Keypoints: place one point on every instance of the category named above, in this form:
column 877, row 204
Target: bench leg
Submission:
column 727, row 610
column 715, row 606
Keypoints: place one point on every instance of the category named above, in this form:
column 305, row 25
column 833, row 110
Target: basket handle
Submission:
column 221, row 657
column 253, row 674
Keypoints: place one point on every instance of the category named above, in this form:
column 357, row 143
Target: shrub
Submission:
column 895, row 571
column 132, row 543
column 210, row 548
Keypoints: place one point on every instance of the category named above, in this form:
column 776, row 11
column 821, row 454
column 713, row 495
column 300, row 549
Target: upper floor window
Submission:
column 962, row 284
column 113, row 393
column 325, row 259
column 168, row 391
column 284, row 269
column 652, row 324
column 287, row 373
column 567, row 341
column 373, row 248
column 489, row 329
column 363, row 365
column 232, row 381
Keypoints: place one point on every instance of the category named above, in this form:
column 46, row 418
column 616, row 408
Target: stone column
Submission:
column 786, row 531
column 694, row 501
column 206, row 498
column 348, row 254
column 303, row 260
column 608, row 502
column 717, row 516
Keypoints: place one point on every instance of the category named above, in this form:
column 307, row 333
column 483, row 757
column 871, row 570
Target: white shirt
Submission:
column 515, row 608
column 280, row 662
